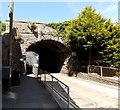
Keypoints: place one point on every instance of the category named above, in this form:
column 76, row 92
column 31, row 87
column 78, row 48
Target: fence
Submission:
column 102, row 75
column 102, row 71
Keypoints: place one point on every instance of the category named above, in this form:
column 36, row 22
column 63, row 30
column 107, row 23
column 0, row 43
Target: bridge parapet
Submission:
column 28, row 36
column 52, row 50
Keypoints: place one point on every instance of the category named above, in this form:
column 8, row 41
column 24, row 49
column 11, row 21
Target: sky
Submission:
column 48, row 12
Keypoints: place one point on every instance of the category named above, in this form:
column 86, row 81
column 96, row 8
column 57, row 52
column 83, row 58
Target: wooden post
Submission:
column 88, row 69
column 88, row 72
column 101, row 73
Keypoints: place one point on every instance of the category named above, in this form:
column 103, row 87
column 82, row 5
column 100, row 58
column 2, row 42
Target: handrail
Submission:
column 63, row 97
column 58, row 80
column 51, row 86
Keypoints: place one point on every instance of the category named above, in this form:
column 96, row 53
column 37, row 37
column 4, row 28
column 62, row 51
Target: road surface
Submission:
column 89, row 94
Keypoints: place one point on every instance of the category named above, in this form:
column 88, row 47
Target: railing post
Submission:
column 40, row 75
column 44, row 77
column 68, row 98
column 88, row 71
column 52, row 85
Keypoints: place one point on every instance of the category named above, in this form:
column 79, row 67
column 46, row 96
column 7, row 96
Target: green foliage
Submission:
column 117, row 73
column 94, row 37
column 32, row 26
column 87, row 32
column 18, row 35
column 54, row 33
column 59, row 28
column 111, row 54
column 2, row 27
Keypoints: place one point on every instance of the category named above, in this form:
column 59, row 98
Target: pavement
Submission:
column 29, row 94
column 89, row 94
column 59, row 91
column 0, row 96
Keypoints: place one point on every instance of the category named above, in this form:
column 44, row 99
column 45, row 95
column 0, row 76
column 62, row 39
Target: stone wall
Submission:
column 29, row 37
column 16, row 53
column 71, row 65
column 5, row 49
column 97, row 78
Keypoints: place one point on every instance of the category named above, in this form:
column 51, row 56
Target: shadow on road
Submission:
column 29, row 94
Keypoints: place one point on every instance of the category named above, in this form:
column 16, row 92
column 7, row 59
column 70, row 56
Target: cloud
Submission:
column 111, row 8
column 74, row 7
column 111, row 12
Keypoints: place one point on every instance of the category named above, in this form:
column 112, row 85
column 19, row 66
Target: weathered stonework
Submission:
column 52, row 50
column 71, row 65
column 29, row 37
column 16, row 53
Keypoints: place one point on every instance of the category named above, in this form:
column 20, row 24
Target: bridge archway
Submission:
column 52, row 54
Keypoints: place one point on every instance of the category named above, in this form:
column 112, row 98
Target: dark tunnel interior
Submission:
column 52, row 54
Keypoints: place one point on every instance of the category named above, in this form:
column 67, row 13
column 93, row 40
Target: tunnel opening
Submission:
column 52, row 54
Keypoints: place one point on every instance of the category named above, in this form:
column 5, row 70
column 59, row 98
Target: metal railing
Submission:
column 58, row 88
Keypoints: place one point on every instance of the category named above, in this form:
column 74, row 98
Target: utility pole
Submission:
column 10, row 29
column 11, row 15
column 11, row 38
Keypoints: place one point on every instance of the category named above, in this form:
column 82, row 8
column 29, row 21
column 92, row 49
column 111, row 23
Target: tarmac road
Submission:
column 89, row 94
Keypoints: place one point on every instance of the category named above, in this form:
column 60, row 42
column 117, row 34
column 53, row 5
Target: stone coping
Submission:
column 24, row 21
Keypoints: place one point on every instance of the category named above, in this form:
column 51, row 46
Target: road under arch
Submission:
column 52, row 54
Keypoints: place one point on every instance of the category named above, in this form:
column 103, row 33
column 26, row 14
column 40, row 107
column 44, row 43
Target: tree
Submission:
column 111, row 54
column 93, row 37
column 2, row 26
column 87, row 33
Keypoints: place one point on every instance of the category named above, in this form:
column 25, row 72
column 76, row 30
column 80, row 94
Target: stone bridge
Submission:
column 52, row 51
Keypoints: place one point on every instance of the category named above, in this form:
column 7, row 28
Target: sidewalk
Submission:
column 30, row 94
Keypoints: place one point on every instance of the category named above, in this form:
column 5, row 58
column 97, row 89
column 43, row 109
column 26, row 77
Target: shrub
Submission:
column 32, row 26
column 117, row 74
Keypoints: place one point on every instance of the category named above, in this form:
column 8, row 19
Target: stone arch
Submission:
column 52, row 54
